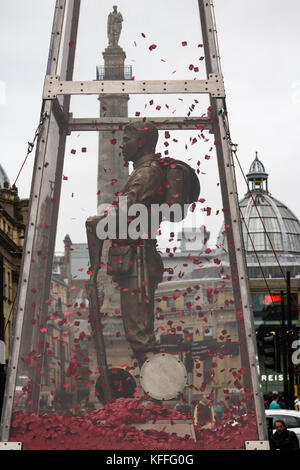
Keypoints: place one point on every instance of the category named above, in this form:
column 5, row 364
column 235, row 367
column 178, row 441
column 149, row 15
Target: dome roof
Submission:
column 263, row 213
column 256, row 167
column 257, row 176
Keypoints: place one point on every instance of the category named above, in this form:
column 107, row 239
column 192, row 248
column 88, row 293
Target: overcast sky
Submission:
column 259, row 45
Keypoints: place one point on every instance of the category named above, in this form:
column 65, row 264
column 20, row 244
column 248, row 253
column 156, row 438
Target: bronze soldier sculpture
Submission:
column 135, row 265
column 145, row 268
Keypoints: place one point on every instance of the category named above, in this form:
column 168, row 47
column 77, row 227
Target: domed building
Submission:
column 13, row 219
column 271, row 235
column 271, row 231
column 272, row 243
column 268, row 226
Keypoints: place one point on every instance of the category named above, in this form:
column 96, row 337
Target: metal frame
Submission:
column 56, row 100
column 35, row 200
column 232, row 215
column 110, row 123
column 54, row 86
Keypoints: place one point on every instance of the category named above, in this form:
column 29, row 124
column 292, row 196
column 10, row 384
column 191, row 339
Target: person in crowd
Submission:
column 297, row 403
column 275, row 403
column 281, row 401
column 218, row 411
column 283, row 439
column 267, row 401
column 204, row 412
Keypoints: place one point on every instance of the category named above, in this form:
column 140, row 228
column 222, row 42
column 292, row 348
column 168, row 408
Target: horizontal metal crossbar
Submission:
column 53, row 87
column 117, row 123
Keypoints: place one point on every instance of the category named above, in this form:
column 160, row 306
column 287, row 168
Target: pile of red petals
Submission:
column 130, row 411
column 107, row 428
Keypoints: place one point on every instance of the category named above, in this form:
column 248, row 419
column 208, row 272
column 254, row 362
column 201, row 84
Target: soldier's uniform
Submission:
column 136, row 265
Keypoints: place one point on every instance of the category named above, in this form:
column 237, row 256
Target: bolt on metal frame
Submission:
column 60, row 123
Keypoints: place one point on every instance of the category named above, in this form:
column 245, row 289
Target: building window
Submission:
column 9, row 286
column 208, row 296
column 292, row 226
column 5, row 285
column 207, row 331
column 56, row 269
column 267, row 308
column 208, row 369
column 293, row 242
column 188, row 301
column 170, row 302
column 260, row 241
column 188, row 335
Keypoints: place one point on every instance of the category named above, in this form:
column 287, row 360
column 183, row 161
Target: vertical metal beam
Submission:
column 232, row 219
column 67, row 68
column 56, row 36
column 69, row 48
column 2, row 317
column 34, row 236
column 284, row 343
column 2, row 329
column 291, row 374
column 30, row 230
column 50, row 216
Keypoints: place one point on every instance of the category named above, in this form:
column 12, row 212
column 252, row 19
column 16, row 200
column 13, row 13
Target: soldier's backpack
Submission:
column 181, row 186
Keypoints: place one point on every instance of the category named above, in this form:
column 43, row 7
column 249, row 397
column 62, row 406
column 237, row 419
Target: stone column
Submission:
column 112, row 176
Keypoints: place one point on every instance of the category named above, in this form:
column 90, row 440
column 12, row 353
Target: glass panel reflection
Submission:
column 60, row 396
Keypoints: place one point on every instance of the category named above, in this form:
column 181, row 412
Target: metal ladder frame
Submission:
column 55, row 106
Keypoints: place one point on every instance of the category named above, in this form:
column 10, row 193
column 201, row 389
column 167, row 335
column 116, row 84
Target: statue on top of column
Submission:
column 114, row 27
